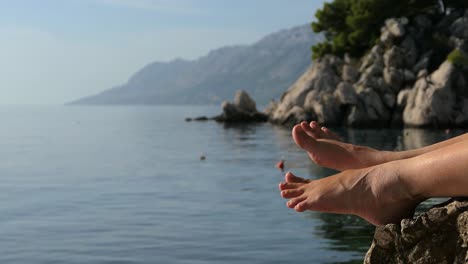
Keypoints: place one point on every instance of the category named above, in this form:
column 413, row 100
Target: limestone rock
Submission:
column 408, row 76
column 394, row 57
column 423, row 22
column 369, row 112
column 271, row 107
column 410, row 51
column 322, row 77
column 243, row 101
column 394, row 78
column 345, row 94
column 423, row 62
column 242, row 110
column 439, row 235
column 293, row 116
column 366, row 91
column 431, row 101
column 349, row 74
column 459, row 28
column 396, row 27
column 325, row 107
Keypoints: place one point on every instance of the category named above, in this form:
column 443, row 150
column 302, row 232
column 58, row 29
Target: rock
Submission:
column 423, row 62
column 408, row 76
column 431, row 101
column 422, row 74
column 201, row 118
column 243, row 102
column 439, row 235
column 410, row 51
column 369, row 112
column 325, row 107
column 459, row 28
column 345, row 94
column 462, row 117
column 423, row 22
column 271, row 107
column 242, row 110
column 374, row 104
column 385, row 36
column 394, row 78
column 349, row 74
column 336, row 91
column 295, row 115
column 402, row 98
column 446, row 22
column 394, row 57
column 389, row 99
column 396, row 27
column 322, row 77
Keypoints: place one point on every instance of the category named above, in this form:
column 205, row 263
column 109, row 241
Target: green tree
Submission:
column 352, row 26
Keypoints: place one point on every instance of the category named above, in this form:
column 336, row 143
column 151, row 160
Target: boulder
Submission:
column 439, row 235
column 345, row 94
column 322, row 77
column 369, row 112
column 423, row 62
column 243, row 102
column 271, row 107
column 396, row 26
column 394, row 78
column 432, row 100
column 242, row 110
column 459, row 28
column 422, row 22
column 410, row 51
column 374, row 105
column 394, row 57
column 349, row 74
column 325, row 107
column 408, row 76
column 295, row 115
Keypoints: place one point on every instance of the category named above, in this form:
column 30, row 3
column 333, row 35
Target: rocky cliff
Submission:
column 416, row 75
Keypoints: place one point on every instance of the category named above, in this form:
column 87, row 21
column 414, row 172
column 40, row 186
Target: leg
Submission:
column 398, row 186
column 342, row 156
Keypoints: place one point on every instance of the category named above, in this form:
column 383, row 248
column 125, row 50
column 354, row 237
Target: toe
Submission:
column 293, row 202
column 290, row 185
column 292, row 193
column 309, row 130
column 289, row 177
column 301, row 207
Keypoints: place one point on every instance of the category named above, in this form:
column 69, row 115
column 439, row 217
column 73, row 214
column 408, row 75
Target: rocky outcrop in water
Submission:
column 405, row 79
column 438, row 236
column 242, row 109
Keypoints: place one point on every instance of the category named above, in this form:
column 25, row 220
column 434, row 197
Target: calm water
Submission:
column 126, row 185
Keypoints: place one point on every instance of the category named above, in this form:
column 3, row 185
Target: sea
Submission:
column 139, row 184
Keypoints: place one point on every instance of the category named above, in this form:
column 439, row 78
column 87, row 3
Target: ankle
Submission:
column 407, row 176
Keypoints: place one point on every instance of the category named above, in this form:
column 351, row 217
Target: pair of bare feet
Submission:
column 369, row 181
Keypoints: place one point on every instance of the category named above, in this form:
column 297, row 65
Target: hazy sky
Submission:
column 55, row 51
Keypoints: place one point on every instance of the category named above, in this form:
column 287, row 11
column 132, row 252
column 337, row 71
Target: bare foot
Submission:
column 332, row 153
column 376, row 194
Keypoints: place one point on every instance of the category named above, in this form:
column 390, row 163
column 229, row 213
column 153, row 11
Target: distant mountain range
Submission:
column 264, row 69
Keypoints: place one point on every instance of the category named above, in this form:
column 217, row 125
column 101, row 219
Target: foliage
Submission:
column 353, row 26
column 458, row 58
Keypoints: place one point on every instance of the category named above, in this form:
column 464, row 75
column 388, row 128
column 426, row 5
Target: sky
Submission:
column 56, row 51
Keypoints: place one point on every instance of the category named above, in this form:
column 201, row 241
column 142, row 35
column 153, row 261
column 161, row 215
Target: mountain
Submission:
column 264, row 69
